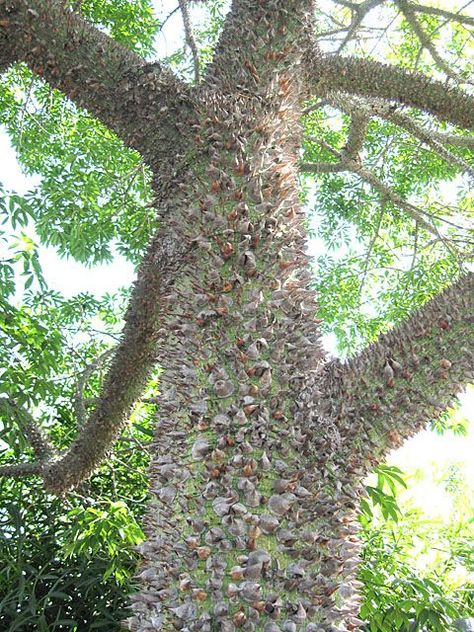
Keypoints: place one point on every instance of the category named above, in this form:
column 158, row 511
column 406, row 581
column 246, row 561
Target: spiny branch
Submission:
column 79, row 402
column 20, row 470
column 356, row 136
column 453, row 139
column 408, row 377
column 247, row 58
column 32, row 431
column 131, row 366
column 362, row 77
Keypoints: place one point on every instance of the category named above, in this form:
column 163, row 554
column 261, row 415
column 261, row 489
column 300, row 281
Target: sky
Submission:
column 69, row 278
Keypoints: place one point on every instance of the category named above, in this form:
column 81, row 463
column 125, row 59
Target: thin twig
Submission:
column 360, row 10
column 415, row 247
column 191, row 42
column 354, row 166
column 371, row 246
column 384, row 110
column 426, row 41
column 449, row 15
column 170, row 15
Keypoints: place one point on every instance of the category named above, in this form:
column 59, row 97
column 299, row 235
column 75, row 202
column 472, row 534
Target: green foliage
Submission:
column 383, row 494
column 130, row 23
column 103, row 533
column 375, row 264
column 417, row 568
column 207, row 25
column 451, row 420
column 44, row 590
column 92, row 192
column 400, row 598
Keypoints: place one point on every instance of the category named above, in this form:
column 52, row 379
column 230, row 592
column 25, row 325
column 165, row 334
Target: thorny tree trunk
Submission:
column 261, row 444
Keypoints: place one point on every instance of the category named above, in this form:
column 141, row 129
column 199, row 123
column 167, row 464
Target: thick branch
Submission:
column 134, row 359
column 332, row 73
column 410, row 375
column 130, row 369
column 110, row 81
column 259, row 41
column 356, row 136
column 453, row 139
column 20, row 470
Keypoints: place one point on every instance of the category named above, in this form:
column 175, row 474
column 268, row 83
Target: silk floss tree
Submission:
column 262, row 442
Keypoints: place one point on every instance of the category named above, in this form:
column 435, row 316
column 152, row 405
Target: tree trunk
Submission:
column 246, row 528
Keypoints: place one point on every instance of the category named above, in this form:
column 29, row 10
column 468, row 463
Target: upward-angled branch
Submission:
column 79, row 403
column 356, row 136
column 110, row 81
column 332, row 73
column 453, row 139
column 190, row 41
column 133, row 361
column 408, row 377
column 259, row 40
column 349, row 161
column 360, row 11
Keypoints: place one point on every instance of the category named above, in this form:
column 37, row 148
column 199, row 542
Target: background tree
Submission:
column 260, row 446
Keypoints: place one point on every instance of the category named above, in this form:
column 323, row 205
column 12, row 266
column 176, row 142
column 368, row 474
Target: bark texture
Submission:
column 261, row 444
